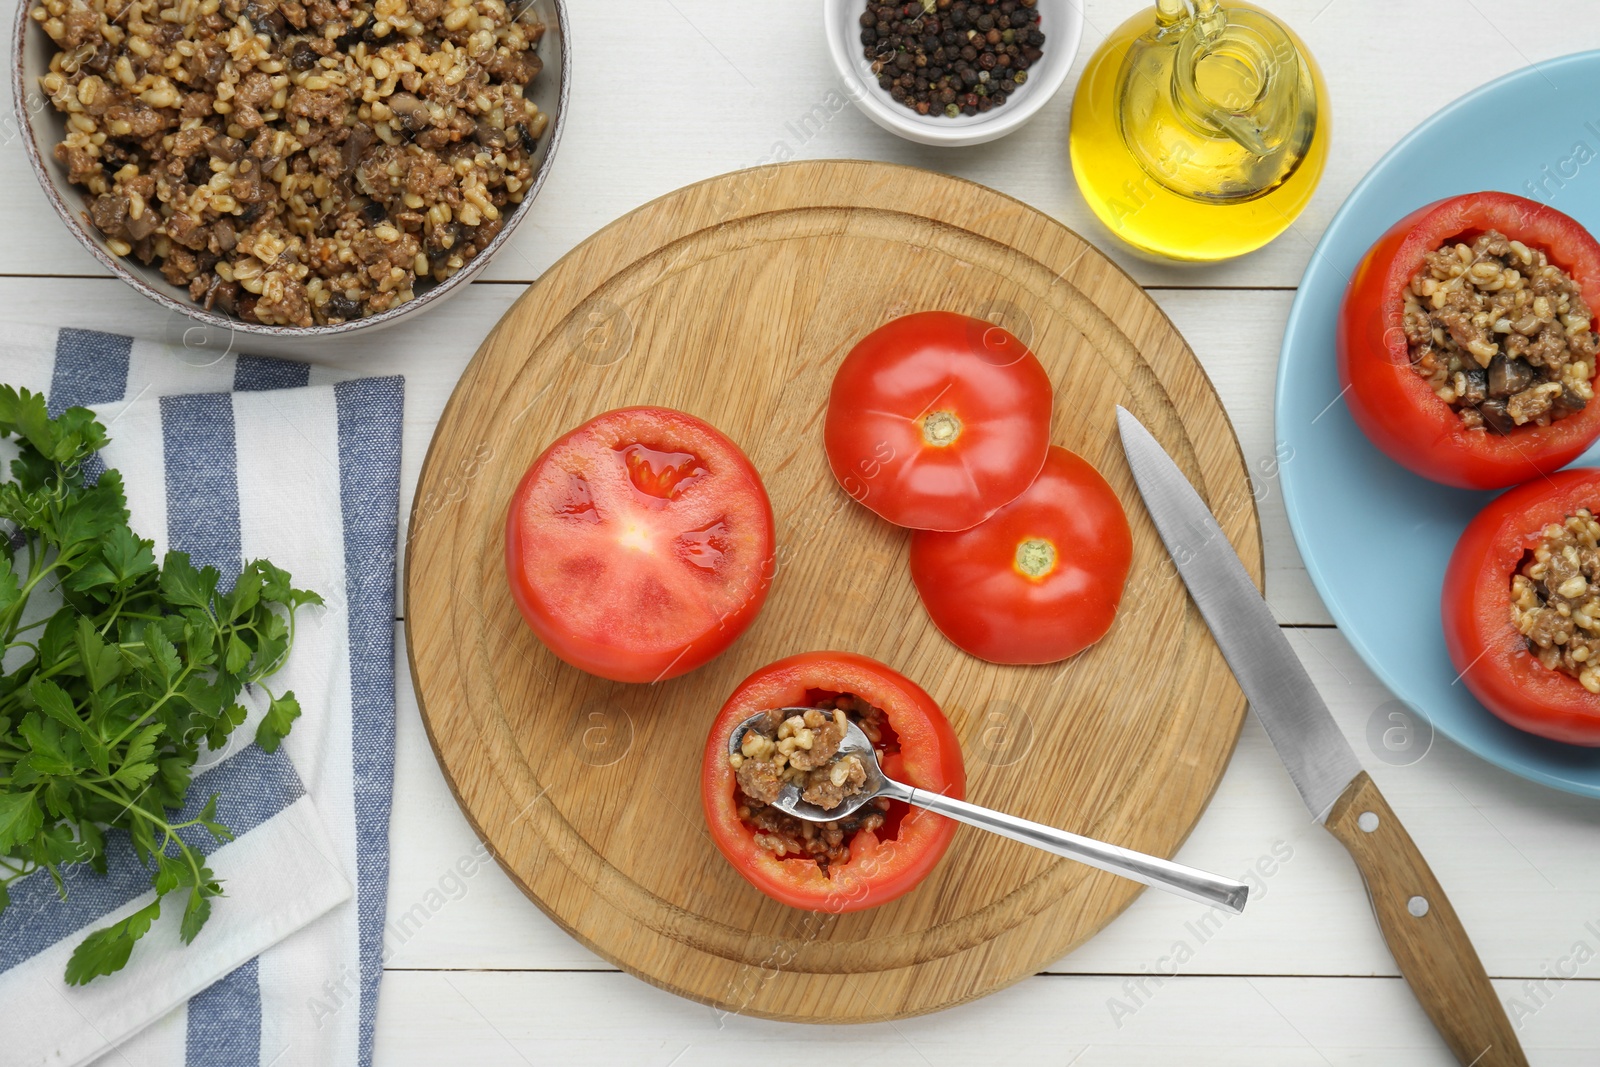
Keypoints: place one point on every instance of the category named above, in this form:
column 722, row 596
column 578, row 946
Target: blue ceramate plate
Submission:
column 1375, row 537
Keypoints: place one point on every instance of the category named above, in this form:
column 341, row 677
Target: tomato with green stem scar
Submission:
column 1038, row 581
column 936, row 420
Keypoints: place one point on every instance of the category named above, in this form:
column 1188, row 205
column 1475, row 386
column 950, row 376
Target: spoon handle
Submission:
column 1163, row 874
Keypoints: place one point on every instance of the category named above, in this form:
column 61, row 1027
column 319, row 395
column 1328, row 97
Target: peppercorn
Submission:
column 937, row 57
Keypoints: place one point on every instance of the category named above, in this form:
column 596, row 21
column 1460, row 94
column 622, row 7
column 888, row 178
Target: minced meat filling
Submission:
column 1555, row 604
column 1501, row 334
column 804, row 748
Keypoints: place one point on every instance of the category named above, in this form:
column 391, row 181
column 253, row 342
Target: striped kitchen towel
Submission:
column 235, row 458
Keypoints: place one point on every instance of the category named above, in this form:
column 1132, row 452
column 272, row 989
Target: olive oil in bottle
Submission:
column 1200, row 129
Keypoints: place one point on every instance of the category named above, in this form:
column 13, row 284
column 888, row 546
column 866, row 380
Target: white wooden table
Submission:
column 670, row 91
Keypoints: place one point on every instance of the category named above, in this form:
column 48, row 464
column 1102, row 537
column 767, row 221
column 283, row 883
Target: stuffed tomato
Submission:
column 1465, row 341
column 880, row 852
column 1521, row 607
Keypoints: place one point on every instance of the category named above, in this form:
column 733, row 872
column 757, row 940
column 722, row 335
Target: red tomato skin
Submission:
column 1488, row 651
column 894, row 376
column 977, row 598
column 929, row 758
column 1394, row 407
column 606, row 658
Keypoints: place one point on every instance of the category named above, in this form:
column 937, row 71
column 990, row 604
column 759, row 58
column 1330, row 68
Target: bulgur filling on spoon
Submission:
column 1501, row 334
column 804, row 748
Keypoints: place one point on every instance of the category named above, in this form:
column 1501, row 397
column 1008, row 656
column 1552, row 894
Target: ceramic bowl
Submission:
column 1062, row 23
column 43, row 127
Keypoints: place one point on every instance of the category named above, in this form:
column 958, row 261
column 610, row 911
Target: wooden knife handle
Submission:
column 1422, row 930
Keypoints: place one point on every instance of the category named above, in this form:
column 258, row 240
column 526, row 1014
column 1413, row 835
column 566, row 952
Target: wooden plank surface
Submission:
column 523, row 1019
column 1303, row 978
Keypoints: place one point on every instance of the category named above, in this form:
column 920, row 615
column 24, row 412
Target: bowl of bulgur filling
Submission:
column 296, row 167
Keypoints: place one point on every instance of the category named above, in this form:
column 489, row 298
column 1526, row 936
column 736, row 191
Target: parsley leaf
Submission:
column 105, row 951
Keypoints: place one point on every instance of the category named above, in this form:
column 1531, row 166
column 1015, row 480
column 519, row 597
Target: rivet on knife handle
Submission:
column 1422, row 931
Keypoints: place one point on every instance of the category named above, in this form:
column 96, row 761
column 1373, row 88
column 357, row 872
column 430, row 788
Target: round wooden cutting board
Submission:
column 734, row 300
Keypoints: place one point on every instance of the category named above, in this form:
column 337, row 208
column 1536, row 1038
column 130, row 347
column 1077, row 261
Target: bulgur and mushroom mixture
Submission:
column 296, row 162
column 1555, row 598
column 1501, row 334
column 804, row 748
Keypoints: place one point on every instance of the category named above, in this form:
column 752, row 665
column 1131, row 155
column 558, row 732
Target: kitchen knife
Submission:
column 1418, row 923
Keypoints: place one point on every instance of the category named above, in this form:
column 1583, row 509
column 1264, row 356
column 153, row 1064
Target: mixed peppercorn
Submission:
column 952, row 57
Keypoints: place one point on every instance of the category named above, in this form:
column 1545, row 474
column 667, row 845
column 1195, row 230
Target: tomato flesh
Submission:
column 883, row 864
column 1394, row 406
column 1038, row 581
column 936, row 420
column 1485, row 646
column 640, row 545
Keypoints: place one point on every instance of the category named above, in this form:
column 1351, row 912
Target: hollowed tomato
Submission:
column 1040, row 579
column 922, row 752
column 936, row 420
column 1484, row 643
column 1394, row 406
column 640, row 544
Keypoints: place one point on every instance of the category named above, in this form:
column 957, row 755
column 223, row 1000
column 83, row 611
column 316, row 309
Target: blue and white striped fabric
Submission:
column 231, row 459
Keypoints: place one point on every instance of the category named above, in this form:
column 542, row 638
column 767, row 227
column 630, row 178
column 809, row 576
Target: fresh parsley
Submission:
column 115, row 671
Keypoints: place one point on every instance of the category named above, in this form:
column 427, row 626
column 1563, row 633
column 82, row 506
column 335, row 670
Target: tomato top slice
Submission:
column 640, row 544
column 1040, row 579
column 1394, row 406
column 1484, row 643
column 882, row 865
column 936, row 420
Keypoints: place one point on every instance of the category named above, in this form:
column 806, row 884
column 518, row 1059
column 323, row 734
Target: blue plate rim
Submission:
column 1291, row 494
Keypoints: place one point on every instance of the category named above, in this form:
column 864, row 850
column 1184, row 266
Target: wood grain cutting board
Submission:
column 734, row 300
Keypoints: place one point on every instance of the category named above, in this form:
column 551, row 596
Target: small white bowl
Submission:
column 1062, row 23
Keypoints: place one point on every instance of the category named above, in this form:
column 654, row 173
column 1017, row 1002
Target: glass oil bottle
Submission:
column 1200, row 129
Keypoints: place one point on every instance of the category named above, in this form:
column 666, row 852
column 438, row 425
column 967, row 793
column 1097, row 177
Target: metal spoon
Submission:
column 1150, row 870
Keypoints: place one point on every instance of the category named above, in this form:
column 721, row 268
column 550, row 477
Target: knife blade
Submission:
column 1418, row 922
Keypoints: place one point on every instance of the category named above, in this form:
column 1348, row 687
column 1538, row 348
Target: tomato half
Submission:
column 936, row 420
column 640, row 544
column 1039, row 580
column 922, row 752
column 1484, row 643
column 1394, row 406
